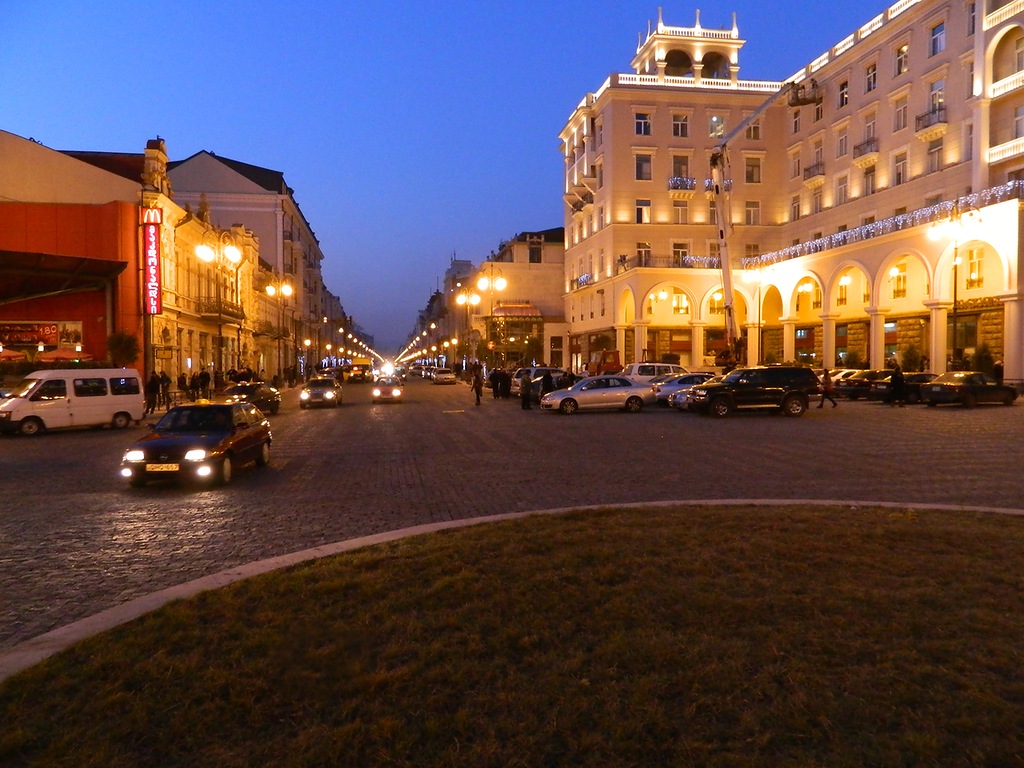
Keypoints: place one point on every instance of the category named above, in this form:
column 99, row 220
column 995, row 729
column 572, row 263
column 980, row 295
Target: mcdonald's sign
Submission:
column 152, row 218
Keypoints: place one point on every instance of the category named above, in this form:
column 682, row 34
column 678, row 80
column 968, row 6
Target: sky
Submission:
column 411, row 132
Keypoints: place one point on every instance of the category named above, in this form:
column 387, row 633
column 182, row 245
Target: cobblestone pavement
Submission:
column 75, row 540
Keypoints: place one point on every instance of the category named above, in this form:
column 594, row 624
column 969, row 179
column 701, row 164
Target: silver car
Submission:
column 600, row 392
column 683, row 381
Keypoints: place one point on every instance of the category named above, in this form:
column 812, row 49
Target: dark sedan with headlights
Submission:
column 968, row 388
column 259, row 393
column 323, row 390
column 199, row 442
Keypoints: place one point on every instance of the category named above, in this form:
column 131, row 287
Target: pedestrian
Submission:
column 478, row 382
column 997, row 371
column 194, row 387
column 152, row 393
column 183, row 384
column 165, row 389
column 492, row 379
column 565, row 380
column 827, row 388
column 204, row 383
column 505, row 384
column 547, row 383
column 898, row 385
column 525, row 391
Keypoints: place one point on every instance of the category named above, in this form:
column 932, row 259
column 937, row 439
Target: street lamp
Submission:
column 228, row 253
column 490, row 283
column 282, row 290
column 953, row 227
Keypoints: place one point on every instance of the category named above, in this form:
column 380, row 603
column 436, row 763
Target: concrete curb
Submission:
column 37, row 649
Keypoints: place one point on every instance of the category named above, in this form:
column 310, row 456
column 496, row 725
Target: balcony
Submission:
column 267, row 328
column 814, row 175
column 866, row 153
column 1007, row 151
column 709, row 187
column 681, row 187
column 221, row 311
column 810, row 93
column 931, row 125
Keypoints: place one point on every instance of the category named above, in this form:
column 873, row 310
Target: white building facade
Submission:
column 843, row 190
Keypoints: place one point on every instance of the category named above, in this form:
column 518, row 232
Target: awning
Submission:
column 516, row 310
column 25, row 276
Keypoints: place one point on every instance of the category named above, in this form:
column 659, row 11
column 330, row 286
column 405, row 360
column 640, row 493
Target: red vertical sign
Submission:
column 151, row 221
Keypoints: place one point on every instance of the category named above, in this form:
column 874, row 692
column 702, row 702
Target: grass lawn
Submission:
column 688, row 636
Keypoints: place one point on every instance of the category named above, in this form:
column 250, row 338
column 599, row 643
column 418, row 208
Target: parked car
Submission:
column 683, row 399
column 967, row 388
column 600, row 392
column 882, row 390
column 678, row 383
column 259, row 393
column 535, row 372
column 779, row 387
column 199, row 441
column 444, row 376
column 388, row 389
column 324, row 390
column 857, row 385
column 644, row 372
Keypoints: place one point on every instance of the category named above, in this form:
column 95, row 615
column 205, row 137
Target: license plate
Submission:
column 935, row 389
column 161, row 467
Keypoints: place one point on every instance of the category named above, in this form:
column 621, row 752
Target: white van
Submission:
column 80, row 397
column 644, row 372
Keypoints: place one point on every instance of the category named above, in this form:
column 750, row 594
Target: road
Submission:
column 74, row 539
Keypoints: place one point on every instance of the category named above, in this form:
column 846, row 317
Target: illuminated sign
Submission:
column 151, row 221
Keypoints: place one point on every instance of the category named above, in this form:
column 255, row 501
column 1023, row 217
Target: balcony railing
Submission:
column 225, row 310
column 267, row 328
column 866, row 147
column 684, row 183
column 818, row 169
column 931, row 117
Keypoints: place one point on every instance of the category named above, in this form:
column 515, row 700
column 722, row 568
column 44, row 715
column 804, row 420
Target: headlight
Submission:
column 134, row 455
column 396, row 393
column 329, row 395
column 196, row 454
column 304, row 395
column 376, row 393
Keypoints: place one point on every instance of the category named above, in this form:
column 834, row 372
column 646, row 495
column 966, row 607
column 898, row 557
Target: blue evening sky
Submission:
column 410, row 131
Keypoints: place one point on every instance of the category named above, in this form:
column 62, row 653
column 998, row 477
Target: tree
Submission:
column 123, row 348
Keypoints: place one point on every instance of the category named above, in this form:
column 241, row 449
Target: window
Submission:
column 869, row 126
column 600, row 176
column 643, row 123
column 902, row 59
column 643, row 211
column 819, row 152
column 816, row 201
column 937, row 95
column 643, row 254
column 842, row 190
column 898, row 280
column 819, row 112
column 935, row 155
column 681, row 167
column 937, row 44
column 816, row 297
column 126, row 386
column 54, row 389
column 796, row 121
column 752, row 213
column 841, row 299
column 643, row 167
column 752, row 250
column 869, row 182
column 842, row 143
column 975, row 262
column 536, row 252
column 899, row 114
column 600, row 134
column 713, row 213
column 794, row 208
column 682, row 211
column 844, row 94
column 680, row 304
column 752, row 170
column 1018, row 122
column 899, row 168
column 90, row 387
column 680, row 254
column 870, row 78
column 1018, row 57
column 716, row 127
column 754, row 130
column 972, row 13
column 680, row 126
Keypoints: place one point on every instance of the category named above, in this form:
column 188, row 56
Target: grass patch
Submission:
column 692, row 636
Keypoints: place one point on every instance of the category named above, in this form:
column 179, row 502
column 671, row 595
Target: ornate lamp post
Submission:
column 953, row 227
column 282, row 290
column 222, row 252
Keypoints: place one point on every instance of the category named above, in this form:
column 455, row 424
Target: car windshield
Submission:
column 195, row 419
column 953, row 377
column 240, row 389
column 24, row 388
column 321, row 383
column 389, row 381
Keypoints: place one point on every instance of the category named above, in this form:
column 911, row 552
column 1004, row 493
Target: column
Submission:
column 788, row 339
column 697, row 343
column 1013, row 339
column 753, row 343
column 620, row 340
column 640, row 341
column 828, row 340
column 876, row 338
column 937, row 330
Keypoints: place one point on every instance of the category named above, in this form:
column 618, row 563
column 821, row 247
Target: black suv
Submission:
column 786, row 387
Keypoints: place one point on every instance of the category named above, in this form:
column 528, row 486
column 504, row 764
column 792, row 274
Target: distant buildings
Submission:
column 914, row 119
column 179, row 256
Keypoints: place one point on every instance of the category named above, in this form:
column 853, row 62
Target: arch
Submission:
column 997, row 268
column 715, row 66
column 678, row 64
column 847, row 288
column 907, row 267
column 1001, row 55
column 660, row 304
column 805, row 310
column 627, row 310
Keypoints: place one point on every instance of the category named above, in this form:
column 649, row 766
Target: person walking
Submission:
column 478, row 382
column 525, row 391
column 898, row 385
column 165, row 389
column 547, row 383
column 152, row 393
column 827, row 387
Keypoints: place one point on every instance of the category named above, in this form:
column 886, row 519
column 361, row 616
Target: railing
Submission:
column 1005, row 151
column 818, row 169
column 1007, row 84
column 930, row 118
column 709, row 185
column 682, row 183
column 1011, row 190
column 267, row 328
column 865, row 147
column 221, row 308
column 1000, row 15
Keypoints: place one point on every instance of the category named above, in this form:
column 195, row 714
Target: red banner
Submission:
column 151, row 221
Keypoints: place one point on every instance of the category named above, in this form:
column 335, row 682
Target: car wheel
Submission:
column 969, row 401
column 634, row 405
column 1008, row 399
column 31, row 426
column 568, row 406
column 912, row 398
column 275, row 408
column 794, row 406
column 121, row 421
column 226, row 469
column 931, row 404
column 263, row 457
column 720, row 407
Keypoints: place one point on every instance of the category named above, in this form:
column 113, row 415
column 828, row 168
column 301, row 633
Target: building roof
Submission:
column 128, row 165
column 272, row 181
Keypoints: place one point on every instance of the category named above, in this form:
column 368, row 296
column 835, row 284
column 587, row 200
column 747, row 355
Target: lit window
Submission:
column 938, row 40
column 898, row 279
column 754, row 131
column 752, row 213
column 871, row 78
column 975, row 263
column 844, row 94
column 752, row 167
column 902, row 59
column 643, row 167
column 716, row 127
column 643, row 211
column 796, row 121
column 842, row 144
